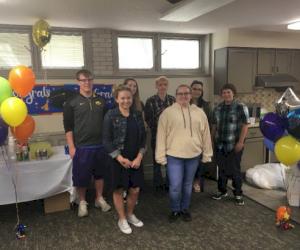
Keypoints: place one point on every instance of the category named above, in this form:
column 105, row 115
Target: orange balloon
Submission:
column 22, row 80
column 24, row 130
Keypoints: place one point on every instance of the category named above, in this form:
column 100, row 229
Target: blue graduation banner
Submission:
column 47, row 99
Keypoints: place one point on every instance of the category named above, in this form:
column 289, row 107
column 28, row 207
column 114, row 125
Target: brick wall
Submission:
column 101, row 40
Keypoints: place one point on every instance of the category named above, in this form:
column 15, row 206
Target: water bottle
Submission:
column 11, row 149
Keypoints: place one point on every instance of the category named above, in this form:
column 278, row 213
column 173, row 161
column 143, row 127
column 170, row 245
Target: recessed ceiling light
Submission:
column 294, row 26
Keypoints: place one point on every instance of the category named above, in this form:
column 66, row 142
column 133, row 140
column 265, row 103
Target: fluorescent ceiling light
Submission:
column 190, row 9
column 294, row 26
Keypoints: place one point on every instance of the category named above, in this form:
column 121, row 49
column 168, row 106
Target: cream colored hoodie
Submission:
column 183, row 132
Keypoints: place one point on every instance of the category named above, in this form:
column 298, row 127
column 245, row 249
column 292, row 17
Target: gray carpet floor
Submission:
column 215, row 225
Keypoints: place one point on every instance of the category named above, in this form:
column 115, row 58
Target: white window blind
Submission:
column 63, row 52
column 179, row 54
column 135, row 53
column 14, row 50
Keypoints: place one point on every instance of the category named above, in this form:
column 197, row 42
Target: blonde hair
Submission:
column 161, row 79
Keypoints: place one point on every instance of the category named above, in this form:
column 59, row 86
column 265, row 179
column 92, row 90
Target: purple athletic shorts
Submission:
column 88, row 162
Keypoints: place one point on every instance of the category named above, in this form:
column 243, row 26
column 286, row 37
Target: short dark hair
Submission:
column 229, row 86
column 196, row 82
column 84, row 72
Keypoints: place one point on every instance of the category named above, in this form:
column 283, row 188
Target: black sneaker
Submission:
column 219, row 195
column 239, row 200
column 174, row 216
column 186, row 215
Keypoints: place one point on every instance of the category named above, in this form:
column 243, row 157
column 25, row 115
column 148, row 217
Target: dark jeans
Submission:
column 229, row 166
column 158, row 179
column 200, row 174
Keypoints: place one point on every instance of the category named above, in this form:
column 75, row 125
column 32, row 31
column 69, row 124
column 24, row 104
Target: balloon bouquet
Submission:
column 13, row 110
column 281, row 130
column 14, row 113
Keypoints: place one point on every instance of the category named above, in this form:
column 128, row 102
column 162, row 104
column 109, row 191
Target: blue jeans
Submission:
column 181, row 173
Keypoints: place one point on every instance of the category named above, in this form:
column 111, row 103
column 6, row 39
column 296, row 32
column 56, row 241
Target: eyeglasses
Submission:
column 183, row 94
column 86, row 80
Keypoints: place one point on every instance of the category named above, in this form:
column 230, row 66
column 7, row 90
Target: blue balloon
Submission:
column 269, row 144
column 272, row 126
column 293, row 119
column 3, row 132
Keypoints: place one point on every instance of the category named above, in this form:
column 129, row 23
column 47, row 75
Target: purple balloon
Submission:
column 272, row 126
column 3, row 132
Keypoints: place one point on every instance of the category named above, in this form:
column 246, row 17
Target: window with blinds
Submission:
column 14, row 50
column 63, row 52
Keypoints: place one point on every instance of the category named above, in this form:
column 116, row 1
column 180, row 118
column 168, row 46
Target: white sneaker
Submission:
column 103, row 204
column 132, row 219
column 124, row 227
column 82, row 209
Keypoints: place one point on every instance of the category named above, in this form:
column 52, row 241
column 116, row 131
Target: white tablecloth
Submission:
column 37, row 179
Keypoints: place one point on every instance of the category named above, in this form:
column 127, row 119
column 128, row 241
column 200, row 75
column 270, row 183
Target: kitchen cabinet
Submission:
column 296, row 64
column 274, row 61
column 236, row 66
column 254, row 150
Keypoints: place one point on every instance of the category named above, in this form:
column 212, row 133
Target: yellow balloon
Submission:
column 13, row 111
column 287, row 150
column 41, row 33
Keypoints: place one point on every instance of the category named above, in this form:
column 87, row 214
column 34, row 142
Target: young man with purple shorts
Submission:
column 83, row 119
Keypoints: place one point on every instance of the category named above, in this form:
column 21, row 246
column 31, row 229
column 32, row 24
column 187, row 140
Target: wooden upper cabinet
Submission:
column 237, row 66
column 265, row 61
column 274, row 61
column 296, row 64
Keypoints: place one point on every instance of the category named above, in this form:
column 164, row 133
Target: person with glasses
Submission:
column 155, row 105
column 197, row 99
column 182, row 136
column 83, row 120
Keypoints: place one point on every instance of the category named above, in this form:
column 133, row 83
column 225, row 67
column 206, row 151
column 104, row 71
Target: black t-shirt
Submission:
column 84, row 117
column 131, row 144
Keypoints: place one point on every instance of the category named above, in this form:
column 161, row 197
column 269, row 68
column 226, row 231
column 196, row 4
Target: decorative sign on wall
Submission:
column 47, row 99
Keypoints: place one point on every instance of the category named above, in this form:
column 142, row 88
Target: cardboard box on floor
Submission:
column 56, row 203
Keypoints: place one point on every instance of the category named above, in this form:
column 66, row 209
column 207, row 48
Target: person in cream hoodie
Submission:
column 183, row 139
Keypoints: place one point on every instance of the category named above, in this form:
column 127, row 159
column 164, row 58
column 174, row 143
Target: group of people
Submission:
column 183, row 134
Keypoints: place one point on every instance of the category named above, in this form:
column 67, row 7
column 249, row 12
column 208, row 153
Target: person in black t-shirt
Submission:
column 83, row 118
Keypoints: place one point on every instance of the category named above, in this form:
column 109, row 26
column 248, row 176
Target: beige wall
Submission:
column 242, row 38
column 53, row 123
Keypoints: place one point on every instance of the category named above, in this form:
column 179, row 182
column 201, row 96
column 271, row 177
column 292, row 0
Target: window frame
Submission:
column 129, row 72
column 157, row 69
column 36, row 56
column 17, row 29
column 63, row 73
